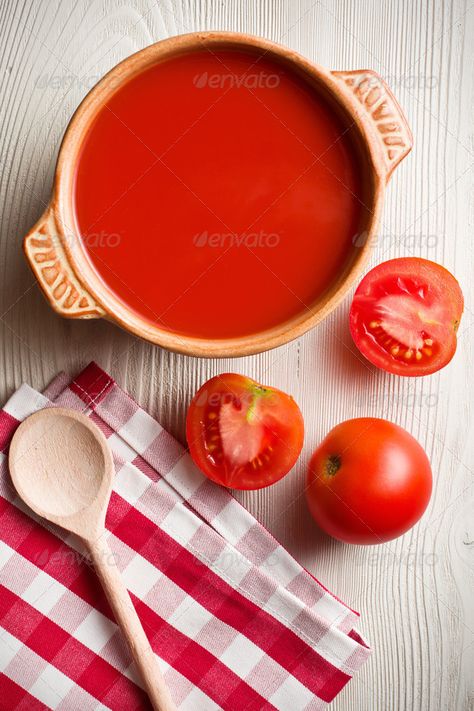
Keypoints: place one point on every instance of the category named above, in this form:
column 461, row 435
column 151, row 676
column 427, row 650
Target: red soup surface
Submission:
column 218, row 194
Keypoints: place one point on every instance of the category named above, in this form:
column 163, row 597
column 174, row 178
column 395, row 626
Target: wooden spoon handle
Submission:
column 130, row 624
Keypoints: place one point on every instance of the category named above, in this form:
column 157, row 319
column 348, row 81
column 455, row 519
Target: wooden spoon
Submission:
column 62, row 467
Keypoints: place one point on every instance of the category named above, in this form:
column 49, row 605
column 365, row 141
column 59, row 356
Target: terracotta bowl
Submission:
column 75, row 290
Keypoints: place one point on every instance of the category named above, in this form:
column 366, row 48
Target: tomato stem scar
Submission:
column 333, row 464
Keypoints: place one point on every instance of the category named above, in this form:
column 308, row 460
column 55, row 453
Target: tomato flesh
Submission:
column 243, row 435
column 368, row 482
column 405, row 315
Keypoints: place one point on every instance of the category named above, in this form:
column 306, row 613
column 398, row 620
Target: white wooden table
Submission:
column 416, row 594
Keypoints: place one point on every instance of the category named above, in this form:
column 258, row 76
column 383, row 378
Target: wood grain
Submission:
column 416, row 594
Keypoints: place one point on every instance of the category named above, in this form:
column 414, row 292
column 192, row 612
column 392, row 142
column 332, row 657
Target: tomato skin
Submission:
column 368, row 482
column 248, row 418
column 405, row 315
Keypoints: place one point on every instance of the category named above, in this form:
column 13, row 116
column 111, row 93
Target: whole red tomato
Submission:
column 242, row 434
column 369, row 481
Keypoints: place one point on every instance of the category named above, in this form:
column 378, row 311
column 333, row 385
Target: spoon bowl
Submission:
column 62, row 469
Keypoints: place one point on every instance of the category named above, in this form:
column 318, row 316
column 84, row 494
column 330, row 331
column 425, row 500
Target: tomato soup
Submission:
column 218, row 194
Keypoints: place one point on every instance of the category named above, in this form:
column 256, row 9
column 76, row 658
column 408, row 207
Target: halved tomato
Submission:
column 241, row 434
column 405, row 315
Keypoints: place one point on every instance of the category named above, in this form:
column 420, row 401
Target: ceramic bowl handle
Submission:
column 47, row 258
column 382, row 110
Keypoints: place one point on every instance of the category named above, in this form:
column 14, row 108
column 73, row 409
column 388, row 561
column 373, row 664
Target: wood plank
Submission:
column 416, row 593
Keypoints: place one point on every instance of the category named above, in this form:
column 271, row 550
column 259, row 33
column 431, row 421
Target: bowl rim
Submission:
column 115, row 309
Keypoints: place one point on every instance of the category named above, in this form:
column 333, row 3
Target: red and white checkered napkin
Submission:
column 236, row 622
